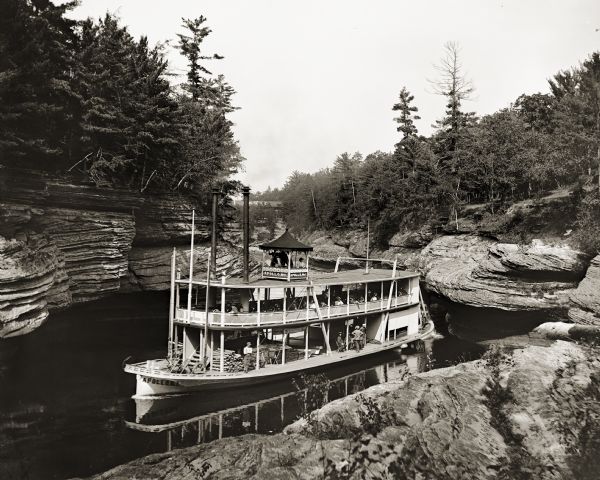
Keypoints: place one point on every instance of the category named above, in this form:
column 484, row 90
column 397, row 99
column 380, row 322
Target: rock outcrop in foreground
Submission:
column 530, row 414
column 586, row 297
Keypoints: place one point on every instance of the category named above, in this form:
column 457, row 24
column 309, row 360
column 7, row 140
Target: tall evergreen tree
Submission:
column 408, row 144
column 406, row 114
column 37, row 104
column 128, row 121
column 210, row 151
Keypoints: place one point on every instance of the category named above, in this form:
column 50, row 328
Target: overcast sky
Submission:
column 315, row 78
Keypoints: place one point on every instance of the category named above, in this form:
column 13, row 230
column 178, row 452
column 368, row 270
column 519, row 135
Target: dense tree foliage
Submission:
column 542, row 142
column 37, row 102
column 88, row 97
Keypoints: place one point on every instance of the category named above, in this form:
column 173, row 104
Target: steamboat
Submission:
column 282, row 320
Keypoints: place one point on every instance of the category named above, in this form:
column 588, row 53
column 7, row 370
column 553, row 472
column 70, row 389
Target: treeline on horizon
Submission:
column 87, row 97
column 541, row 142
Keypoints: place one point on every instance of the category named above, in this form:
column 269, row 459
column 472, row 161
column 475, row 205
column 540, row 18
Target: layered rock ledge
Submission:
column 586, row 297
column 530, row 411
column 63, row 242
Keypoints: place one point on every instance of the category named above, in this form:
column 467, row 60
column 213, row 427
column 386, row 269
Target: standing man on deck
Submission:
column 248, row 357
column 357, row 338
column 339, row 341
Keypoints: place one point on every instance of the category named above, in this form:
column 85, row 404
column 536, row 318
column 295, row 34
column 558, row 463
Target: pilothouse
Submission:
column 286, row 319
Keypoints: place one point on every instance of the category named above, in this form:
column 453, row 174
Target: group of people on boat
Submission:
column 357, row 340
column 279, row 258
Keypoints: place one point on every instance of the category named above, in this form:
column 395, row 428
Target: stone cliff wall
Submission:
column 480, row 271
column 63, row 242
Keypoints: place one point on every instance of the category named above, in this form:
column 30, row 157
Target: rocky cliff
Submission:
column 547, row 277
column 63, row 242
column 531, row 413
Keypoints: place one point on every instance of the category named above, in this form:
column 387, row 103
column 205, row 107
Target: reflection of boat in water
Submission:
column 290, row 319
column 195, row 418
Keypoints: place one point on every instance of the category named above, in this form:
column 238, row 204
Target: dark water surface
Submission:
column 66, row 407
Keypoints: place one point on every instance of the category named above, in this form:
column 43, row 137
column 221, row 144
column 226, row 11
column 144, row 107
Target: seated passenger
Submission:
column 234, row 309
column 338, row 301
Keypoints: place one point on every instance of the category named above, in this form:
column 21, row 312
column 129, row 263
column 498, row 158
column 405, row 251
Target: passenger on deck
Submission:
column 338, row 301
column 357, row 338
column 234, row 309
column 339, row 341
column 247, row 356
column 363, row 330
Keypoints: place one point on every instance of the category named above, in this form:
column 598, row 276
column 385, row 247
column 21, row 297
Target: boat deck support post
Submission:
column 283, row 344
column 222, row 359
column 306, row 343
column 257, row 349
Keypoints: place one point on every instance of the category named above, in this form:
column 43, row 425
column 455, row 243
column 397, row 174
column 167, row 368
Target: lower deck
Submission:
column 232, row 359
column 271, row 370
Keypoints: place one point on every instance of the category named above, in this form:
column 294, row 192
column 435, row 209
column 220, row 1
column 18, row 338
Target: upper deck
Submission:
column 319, row 279
column 322, row 297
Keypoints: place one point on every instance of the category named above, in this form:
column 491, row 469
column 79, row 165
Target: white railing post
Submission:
column 222, row 301
column 284, row 303
column 258, row 307
column 307, row 303
column 347, row 299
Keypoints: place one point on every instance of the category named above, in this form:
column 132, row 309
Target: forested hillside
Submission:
column 87, row 98
column 541, row 142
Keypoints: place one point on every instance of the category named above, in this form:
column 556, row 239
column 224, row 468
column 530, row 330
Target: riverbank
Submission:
column 529, row 413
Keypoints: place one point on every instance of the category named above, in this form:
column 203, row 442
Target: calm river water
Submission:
column 66, row 407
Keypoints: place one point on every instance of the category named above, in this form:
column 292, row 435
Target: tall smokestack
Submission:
column 213, row 240
column 246, row 228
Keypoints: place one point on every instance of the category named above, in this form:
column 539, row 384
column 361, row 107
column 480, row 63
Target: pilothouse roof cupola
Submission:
column 288, row 258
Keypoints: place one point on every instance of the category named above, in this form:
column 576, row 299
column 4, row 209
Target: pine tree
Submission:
column 210, row 153
column 406, row 147
column 407, row 114
column 37, row 105
column 129, row 120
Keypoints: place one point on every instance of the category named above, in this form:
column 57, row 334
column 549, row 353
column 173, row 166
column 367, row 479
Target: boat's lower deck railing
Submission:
column 220, row 319
column 158, row 368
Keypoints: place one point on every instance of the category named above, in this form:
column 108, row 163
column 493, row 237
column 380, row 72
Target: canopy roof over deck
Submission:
column 321, row 279
column 286, row 242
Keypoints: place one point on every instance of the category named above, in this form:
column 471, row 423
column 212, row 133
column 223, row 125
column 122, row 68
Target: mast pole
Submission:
column 368, row 242
column 246, row 229
column 171, row 306
column 189, row 303
column 205, row 346
column 213, row 240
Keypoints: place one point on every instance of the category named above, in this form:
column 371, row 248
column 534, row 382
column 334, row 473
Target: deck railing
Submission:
column 290, row 317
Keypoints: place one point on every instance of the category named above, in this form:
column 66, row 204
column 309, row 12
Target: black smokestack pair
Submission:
column 245, row 227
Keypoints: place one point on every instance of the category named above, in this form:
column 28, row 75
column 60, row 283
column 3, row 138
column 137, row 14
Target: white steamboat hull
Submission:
column 152, row 384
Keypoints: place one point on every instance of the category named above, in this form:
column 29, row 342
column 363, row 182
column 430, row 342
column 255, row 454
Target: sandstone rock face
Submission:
column 480, row 272
column 32, row 279
column 440, row 424
column 94, row 246
column 63, row 242
column 586, row 297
